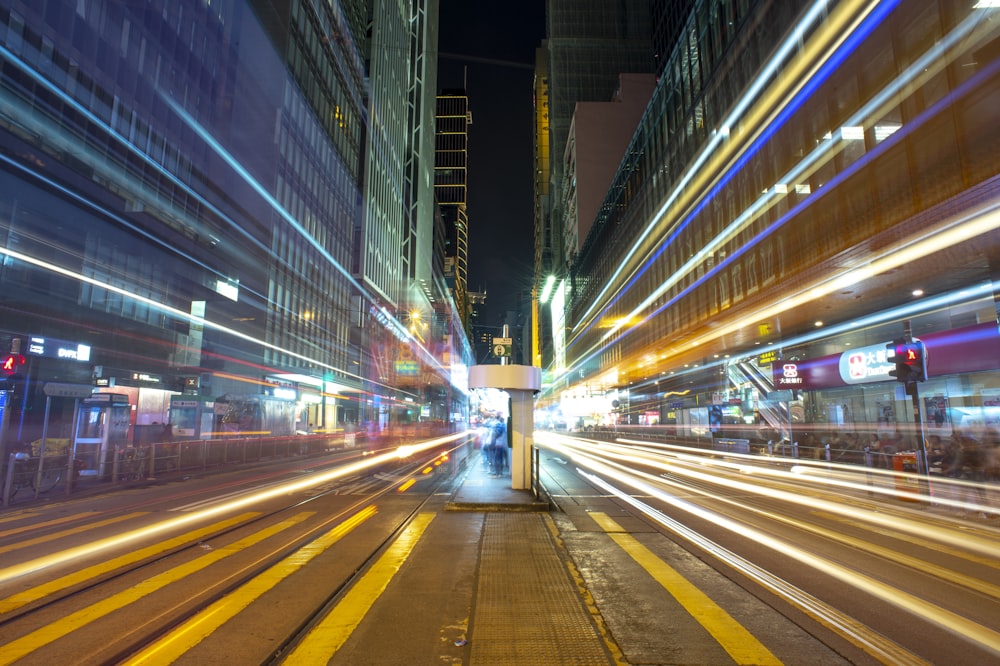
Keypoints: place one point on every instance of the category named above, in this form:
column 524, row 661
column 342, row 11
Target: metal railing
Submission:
column 25, row 476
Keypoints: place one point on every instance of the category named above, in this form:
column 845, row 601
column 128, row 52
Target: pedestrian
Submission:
column 499, row 448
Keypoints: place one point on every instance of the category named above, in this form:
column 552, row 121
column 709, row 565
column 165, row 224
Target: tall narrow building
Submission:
column 450, row 185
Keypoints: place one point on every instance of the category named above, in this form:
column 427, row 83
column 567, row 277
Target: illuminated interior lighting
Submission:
column 228, row 289
column 852, row 133
column 884, row 130
column 550, row 283
column 928, row 65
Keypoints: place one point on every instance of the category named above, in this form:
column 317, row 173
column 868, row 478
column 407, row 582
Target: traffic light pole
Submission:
column 918, row 421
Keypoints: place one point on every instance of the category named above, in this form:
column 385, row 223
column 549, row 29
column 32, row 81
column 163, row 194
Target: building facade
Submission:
column 183, row 204
column 769, row 236
column 598, row 136
column 451, row 179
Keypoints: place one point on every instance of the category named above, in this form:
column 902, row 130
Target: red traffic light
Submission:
column 12, row 363
column 910, row 359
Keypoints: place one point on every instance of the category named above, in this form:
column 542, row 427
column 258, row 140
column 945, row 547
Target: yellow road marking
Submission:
column 734, row 638
column 27, row 596
column 47, row 523
column 330, row 634
column 40, row 637
column 172, row 646
column 72, row 530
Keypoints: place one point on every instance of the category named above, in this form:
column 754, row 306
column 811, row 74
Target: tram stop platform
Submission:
column 489, row 583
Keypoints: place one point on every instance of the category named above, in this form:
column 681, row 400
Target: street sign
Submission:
column 502, row 346
column 58, row 390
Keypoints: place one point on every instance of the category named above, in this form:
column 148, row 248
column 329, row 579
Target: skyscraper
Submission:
column 184, row 200
column 450, row 186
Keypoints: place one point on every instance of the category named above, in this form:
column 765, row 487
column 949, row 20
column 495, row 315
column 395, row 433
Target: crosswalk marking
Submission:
column 48, row 523
column 20, row 599
column 73, row 530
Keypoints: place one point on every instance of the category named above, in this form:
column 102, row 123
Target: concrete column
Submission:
column 522, row 422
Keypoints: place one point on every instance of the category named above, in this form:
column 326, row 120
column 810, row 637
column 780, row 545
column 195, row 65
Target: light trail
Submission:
column 613, row 477
column 129, row 539
column 716, row 152
column 623, row 459
column 973, row 30
column 934, row 61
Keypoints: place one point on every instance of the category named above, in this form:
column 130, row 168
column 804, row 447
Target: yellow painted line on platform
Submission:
column 330, row 634
column 41, row 591
column 734, row 638
column 47, row 523
column 172, row 646
column 72, row 530
column 28, row 643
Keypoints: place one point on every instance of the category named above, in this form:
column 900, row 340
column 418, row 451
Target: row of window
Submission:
column 811, row 150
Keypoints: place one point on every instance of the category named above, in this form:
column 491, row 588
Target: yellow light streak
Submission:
column 64, row 626
column 128, row 539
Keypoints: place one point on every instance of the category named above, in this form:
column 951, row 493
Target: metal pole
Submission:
column 71, row 449
column 41, row 448
column 918, row 430
column 505, row 333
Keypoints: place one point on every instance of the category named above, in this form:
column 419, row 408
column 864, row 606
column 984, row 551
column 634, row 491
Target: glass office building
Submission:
column 810, row 182
column 182, row 197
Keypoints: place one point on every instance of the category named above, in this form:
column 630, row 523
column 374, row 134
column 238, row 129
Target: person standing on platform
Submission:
column 499, row 447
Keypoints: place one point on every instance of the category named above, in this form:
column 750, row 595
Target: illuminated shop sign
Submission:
column 786, row 376
column 971, row 349
column 865, row 364
column 52, row 348
column 767, row 358
column 284, row 393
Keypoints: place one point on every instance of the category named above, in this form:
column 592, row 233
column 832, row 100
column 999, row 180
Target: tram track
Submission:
column 285, row 532
column 811, row 551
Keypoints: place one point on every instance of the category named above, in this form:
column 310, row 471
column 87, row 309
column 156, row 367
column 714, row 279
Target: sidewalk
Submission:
column 481, row 492
column 528, row 608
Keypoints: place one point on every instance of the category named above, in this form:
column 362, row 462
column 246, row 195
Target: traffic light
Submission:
column 12, row 364
column 910, row 360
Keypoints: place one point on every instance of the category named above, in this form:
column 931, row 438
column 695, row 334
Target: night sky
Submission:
column 493, row 46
